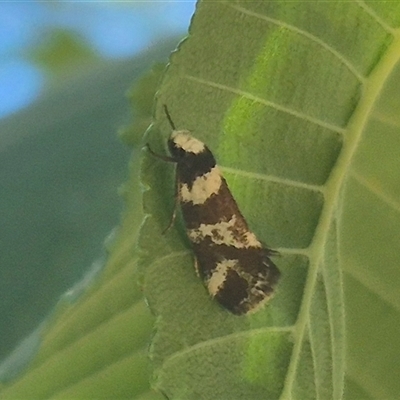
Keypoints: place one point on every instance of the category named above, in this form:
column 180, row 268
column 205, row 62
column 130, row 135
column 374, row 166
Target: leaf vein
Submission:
column 309, row 36
column 374, row 286
column 388, row 120
column 333, row 187
column 271, row 178
column 375, row 16
column 376, row 190
column 316, row 367
column 220, row 339
column 267, row 103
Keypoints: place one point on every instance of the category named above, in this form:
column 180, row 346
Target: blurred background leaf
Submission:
column 61, row 161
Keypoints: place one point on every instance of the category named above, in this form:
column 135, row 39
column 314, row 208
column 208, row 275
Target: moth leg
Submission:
column 197, row 267
column 160, row 156
column 176, row 204
column 177, row 195
column 273, row 253
column 269, row 252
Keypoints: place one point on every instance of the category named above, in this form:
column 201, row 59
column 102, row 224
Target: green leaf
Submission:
column 370, row 231
column 282, row 93
column 299, row 102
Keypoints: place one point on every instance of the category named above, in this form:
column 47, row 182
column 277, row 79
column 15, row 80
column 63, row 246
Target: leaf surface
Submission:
column 281, row 93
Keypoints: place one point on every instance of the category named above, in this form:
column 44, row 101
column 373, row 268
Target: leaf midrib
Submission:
column 355, row 128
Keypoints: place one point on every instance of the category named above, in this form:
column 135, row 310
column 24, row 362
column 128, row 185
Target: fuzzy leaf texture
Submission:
column 297, row 101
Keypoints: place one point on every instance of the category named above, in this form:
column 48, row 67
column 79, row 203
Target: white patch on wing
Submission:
column 187, row 142
column 203, row 187
column 218, row 277
column 261, row 303
column 227, row 233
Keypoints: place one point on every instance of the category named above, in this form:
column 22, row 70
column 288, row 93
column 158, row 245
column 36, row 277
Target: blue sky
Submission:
column 113, row 30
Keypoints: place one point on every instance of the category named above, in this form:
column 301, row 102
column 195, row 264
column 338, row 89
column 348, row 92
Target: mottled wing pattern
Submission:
column 234, row 265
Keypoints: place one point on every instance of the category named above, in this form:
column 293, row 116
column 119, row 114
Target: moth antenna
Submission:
column 169, row 117
column 177, row 201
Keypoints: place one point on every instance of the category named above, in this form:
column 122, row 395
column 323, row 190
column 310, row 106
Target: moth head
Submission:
column 188, row 151
column 181, row 142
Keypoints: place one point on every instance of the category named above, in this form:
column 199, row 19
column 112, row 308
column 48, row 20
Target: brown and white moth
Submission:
column 233, row 264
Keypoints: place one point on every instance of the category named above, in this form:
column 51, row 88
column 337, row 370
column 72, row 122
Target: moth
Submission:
column 233, row 264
